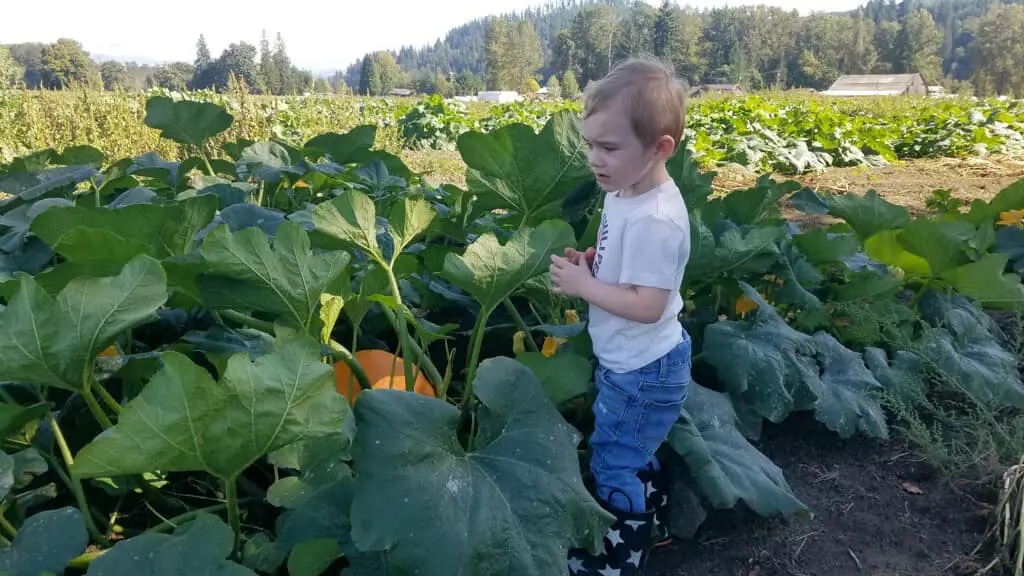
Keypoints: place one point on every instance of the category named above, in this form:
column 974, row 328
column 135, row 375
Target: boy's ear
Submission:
column 665, row 147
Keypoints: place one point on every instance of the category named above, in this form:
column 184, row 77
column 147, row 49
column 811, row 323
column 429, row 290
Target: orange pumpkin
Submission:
column 378, row 366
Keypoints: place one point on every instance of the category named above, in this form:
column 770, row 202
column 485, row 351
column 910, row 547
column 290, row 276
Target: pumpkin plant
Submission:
column 178, row 337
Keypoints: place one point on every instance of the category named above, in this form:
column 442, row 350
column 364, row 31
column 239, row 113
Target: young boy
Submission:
column 633, row 120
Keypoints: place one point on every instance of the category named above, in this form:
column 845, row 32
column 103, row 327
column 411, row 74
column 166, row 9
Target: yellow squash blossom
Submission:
column 551, row 345
column 519, row 343
column 745, row 305
column 1011, row 218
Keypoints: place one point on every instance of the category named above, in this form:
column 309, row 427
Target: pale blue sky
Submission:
column 319, row 34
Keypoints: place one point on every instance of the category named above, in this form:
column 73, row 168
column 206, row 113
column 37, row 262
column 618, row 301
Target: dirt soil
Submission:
column 876, row 509
column 908, row 183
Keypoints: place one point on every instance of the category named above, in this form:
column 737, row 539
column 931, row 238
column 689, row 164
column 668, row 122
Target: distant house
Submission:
column 499, row 96
column 878, row 85
column 401, row 92
column 716, row 89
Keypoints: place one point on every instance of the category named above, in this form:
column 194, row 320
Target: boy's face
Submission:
column 617, row 156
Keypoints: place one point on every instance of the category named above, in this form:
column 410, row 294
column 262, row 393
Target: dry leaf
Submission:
column 912, row 488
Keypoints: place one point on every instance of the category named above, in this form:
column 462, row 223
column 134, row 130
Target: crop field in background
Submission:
column 315, row 336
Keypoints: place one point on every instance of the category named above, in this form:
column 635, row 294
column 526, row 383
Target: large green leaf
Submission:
column 1010, row 198
column 14, row 417
column 530, row 174
column 200, row 546
column 351, row 221
column 943, row 244
column 51, row 341
column 515, row 504
column 29, row 187
column 183, row 420
column 695, row 186
column 564, row 376
column 867, row 286
column 734, row 252
column 978, row 366
column 724, row 466
column 45, row 543
column 965, row 348
column 285, row 279
column 760, row 202
column 320, row 461
column 903, row 379
column 186, row 121
column 850, row 392
column 868, row 214
column 490, row 271
column 986, row 282
column 354, row 147
column 6, row 474
column 885, row 247
column 165, row 230
column 768, row 363
column 312, row 557
column 798, row 278
column 822, row 247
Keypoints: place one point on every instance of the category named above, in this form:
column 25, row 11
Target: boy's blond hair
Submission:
column 654, row 101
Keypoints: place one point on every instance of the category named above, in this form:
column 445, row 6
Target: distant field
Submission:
column 787, row 133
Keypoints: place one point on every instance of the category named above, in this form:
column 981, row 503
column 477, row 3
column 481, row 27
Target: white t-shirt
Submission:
column 643, row 241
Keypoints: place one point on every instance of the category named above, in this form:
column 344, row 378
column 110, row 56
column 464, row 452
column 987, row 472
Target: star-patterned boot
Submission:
column 656, row 491
column 626, row 548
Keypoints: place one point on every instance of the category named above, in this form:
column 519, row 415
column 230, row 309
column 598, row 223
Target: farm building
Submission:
column 499, row 96
column 878, row 85
column 401, row 92
column 716, row 89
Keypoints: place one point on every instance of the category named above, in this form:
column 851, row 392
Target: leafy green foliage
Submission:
column 200, row 546
column 45, row 543
column 470, row 503
column 198, row 319
column 245, row 272
column 52, row 341
column 721, row 465
column 529, row 174
column 258, row 407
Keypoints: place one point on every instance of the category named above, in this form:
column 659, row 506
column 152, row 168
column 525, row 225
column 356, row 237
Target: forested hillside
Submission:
column 969, row 46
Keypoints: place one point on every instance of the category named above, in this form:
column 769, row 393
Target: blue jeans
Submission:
column 633, row 414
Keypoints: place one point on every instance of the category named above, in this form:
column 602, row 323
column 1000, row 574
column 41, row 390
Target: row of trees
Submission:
column 380, row 73
column 966, row 45
column 65, row 63
column 763, row 46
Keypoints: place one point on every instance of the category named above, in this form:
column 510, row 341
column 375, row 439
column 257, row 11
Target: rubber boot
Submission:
column 627, row 545
column 656, row 490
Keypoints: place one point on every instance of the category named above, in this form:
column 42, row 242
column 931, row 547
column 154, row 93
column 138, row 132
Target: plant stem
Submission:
column 109, row 400
column 94, row 406
column 82, row 562
column 76, row 484
column 403, row 330
column 518, row 319
column 475, row 343
column 234, row 518
column 345, row 355
column 248, row 320
column 6, row 526
column 421, row 359
column 206, row 161
column 172, row 523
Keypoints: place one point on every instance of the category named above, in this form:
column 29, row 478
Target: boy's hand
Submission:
column 574, row 255
column 571, row 278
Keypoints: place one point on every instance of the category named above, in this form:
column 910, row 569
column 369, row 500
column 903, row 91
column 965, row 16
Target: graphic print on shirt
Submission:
column 602, row 243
